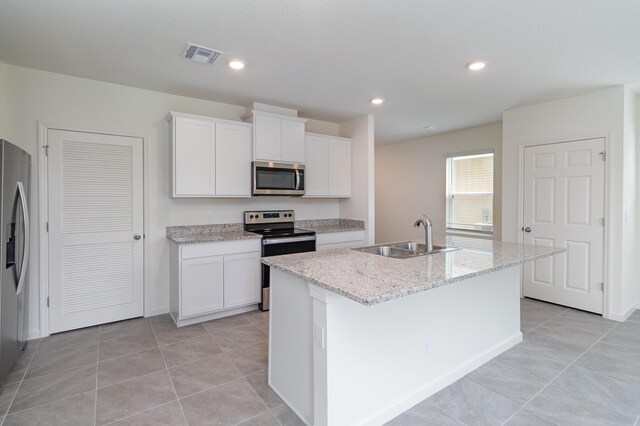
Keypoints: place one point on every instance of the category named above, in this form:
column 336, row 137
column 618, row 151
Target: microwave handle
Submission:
column 297, row 179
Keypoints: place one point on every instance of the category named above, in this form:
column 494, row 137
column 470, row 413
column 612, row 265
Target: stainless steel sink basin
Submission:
column 411, row 246
column 404, row 250
column 388, row 251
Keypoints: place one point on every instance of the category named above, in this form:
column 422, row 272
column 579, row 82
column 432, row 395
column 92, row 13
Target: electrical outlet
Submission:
column 210, row 214
column 426, row 347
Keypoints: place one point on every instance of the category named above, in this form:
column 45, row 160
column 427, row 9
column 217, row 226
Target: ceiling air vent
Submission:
column 204, row 55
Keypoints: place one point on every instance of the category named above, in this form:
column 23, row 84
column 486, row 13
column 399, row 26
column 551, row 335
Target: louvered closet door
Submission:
column 95, row 218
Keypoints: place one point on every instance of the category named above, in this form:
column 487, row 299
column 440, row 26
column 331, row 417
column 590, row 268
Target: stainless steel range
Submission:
column 279, row 237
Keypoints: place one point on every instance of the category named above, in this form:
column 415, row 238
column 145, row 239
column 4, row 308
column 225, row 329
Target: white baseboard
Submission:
column 156, row 311
column 300, row 416
column 401, row 405
column 622, row 317
column 215, row 315
column 33, row 334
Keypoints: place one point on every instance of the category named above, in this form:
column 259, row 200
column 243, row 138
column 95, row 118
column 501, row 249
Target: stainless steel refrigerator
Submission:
column 15, row 168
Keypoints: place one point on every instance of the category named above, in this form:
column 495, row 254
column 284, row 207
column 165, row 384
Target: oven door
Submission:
column 277, row 178
column 277, row 247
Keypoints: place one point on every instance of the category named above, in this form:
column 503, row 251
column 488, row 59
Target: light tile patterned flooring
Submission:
column 573, row 368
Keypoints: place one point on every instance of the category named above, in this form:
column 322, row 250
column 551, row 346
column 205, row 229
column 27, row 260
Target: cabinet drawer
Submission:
column 339, row 237
column 191, row 251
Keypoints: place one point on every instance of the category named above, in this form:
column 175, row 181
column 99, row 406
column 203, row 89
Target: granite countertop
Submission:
column 194, row 234
column 323, row 226
column 370, row 279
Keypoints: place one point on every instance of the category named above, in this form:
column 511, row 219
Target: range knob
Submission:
column 251, row 217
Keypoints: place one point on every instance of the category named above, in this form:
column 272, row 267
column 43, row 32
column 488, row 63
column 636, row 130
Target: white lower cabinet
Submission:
column 334, row 240
column 240, row 269
column 214, row 280
column 202, row 286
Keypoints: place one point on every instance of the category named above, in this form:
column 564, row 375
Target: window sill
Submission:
column 471, row 234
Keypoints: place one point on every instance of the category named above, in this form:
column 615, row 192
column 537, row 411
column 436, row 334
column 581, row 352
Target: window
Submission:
column 470, row 193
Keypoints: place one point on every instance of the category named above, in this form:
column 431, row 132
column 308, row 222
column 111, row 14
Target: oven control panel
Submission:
column 271, row 216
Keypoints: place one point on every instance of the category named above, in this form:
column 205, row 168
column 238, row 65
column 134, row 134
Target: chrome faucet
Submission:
column 426, row 222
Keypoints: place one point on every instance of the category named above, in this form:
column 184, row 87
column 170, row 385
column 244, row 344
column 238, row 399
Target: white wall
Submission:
column 597, row 114
column 637, row 133
column 29, row 96
column 630, row 283
column 2, row 102
column 411, row 180
column 361, row 205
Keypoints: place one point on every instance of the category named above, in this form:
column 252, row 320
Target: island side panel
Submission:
column 291, row 343
column 380, row 360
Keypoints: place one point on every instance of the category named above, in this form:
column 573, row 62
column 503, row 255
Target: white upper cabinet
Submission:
column 292, row 141
column 340, row 167
column 316, row 168
column 211, row 157
column 327, row 167
column 194, row 157
column 278, row 138
column 233, row 160
column 268, row 137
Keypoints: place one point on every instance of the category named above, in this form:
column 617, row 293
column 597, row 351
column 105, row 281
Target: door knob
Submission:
column 136, row 237
column 527, row 229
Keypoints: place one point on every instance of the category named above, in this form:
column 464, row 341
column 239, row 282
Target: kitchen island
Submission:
column 357, row 338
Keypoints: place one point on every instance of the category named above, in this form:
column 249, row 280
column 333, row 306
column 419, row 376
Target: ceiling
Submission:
column 327, row 58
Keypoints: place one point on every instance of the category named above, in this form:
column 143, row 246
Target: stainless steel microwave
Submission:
column 277, row 178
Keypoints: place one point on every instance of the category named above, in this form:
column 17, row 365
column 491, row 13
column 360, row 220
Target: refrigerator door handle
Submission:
column 25, row 246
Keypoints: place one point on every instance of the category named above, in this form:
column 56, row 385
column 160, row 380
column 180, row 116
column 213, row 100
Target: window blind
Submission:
column 470, row 193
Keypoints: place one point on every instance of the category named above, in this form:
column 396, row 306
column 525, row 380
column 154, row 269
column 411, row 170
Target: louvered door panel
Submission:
column 95, row 211
column 96, row 276
column 97, row 183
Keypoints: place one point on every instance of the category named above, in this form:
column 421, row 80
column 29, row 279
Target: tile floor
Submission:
column 573, row 368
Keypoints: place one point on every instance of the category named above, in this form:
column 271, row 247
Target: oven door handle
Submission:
column 297, row 179
column 270, row 241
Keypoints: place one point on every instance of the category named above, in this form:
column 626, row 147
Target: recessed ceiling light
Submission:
column 476, row 65
column 429, row 127
column 377, row 101
column 236, row 65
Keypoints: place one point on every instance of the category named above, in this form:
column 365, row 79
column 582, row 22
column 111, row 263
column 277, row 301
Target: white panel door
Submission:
column 194, row 157
column 292, row 141
column 233, row 160
column 316, row 166
column 268, row 138
column 339, row 168
column 201, row 290
column 242, row 279
column 564, row 207
column 95, row 229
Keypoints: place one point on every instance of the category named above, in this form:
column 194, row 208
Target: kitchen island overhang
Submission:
column 358, row 339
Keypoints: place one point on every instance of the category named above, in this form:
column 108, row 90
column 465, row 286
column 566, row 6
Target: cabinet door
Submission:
column 194, row 150
column 292, row 141
column 242, row 280
column 233, row 160
column 316, row 166
column 339, row 167
column 268, row 136
column 201, row 286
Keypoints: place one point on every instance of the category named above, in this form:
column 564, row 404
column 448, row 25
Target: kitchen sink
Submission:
column 411, row 246
column 388, row 251
column 404, row 250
